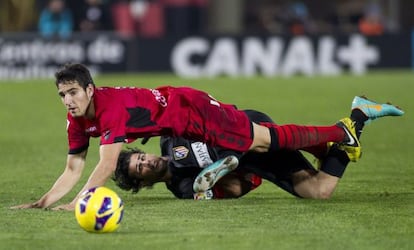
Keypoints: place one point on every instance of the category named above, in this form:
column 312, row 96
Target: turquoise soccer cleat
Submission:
column 375, row 110
column 210, row 175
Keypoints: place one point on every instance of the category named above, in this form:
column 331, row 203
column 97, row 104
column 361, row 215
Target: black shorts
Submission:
column 276, row 167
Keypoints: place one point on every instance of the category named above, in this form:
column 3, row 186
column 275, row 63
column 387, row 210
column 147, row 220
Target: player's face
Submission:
column 75, row 98
column 148, row 167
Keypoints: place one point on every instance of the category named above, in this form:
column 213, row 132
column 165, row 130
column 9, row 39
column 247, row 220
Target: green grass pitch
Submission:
column 372, row 208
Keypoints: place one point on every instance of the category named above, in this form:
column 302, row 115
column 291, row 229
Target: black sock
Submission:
column 335, row 162
column 274, row 141
column 359, row 118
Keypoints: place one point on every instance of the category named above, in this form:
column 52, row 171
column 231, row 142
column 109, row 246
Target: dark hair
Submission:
column 74, row 72
column 121, row 176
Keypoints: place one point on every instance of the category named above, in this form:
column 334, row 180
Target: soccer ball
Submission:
column 99, row 210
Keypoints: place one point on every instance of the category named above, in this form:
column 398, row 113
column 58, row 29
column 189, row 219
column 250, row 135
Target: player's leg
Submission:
column 273, row 137
column 292, row 171
column 333, row 165
column 314, row 185
column 322, row 184
column 318, row 151
column 345, row 132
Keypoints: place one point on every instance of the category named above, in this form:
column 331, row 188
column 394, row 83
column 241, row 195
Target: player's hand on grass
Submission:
column 27, row 205
column 67, row 207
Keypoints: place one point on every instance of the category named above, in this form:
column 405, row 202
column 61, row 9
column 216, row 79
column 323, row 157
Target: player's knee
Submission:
column 232, row 186
column 324, row 193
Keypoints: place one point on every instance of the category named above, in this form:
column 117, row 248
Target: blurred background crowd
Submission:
column 157, row 18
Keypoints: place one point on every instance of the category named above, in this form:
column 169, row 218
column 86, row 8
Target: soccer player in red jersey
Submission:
column 121, row 115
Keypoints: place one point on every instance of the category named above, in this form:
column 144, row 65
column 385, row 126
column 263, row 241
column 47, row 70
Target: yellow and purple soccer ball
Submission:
column 99, row 210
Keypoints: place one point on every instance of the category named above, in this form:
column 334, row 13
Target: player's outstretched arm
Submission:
column 103, row 171
column 66, row 181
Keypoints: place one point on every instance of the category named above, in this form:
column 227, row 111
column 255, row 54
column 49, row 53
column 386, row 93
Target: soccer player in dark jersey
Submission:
column 121, row 115
column 181, row 161
column 178, row 168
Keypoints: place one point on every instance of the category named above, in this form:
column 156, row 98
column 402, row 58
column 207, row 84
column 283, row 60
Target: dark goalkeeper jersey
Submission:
column 187, row 160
